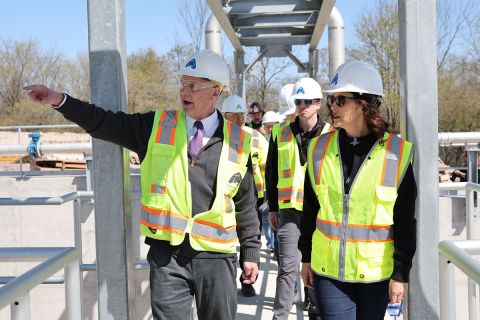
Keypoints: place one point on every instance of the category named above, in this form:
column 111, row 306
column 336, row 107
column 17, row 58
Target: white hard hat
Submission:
column 206, row 64
column 272, row 116
column 284, row 99
column 356, row 76
column 306, row 88
column 234, row 104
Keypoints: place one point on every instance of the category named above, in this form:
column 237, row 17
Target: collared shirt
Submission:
column 210, row 124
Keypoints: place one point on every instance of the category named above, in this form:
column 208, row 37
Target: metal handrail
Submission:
column 65, row 258
column 46, row 200
column 457, row 253
column 46, row 126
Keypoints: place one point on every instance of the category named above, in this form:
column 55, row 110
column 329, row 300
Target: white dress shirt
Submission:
column 210, row 125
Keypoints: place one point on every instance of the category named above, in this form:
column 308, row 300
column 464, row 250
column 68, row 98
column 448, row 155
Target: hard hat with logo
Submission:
column 234, row 104
column 207, row 64
column 306, row 88
column 356, row 76
column 272, row 116
column 286, row 103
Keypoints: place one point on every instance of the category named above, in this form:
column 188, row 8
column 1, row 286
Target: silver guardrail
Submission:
column 16, row 292
column 457, row 254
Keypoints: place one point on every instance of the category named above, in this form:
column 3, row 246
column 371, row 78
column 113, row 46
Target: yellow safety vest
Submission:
column 353, row 239
column 291, row 174
column 258, row 152
column 166, row 212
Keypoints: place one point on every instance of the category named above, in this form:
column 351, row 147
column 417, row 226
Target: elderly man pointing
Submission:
column 197, row 195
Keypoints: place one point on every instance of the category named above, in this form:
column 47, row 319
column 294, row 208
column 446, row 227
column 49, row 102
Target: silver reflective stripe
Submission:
column 318, row 153
column 393, row 157
column 234, row 143
column 255, row 139
column 159, row 189
column 169, row 120
column 286, row 173
column 300, row 195
column 284, row 136
column 284, row 193
column 163, row 220
column 356, row 233
column 168, row 126
column 213, row 233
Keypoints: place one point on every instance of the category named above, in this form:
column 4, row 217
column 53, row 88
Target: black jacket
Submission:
column 132, row 131
column 404, row 223
column 271, row 171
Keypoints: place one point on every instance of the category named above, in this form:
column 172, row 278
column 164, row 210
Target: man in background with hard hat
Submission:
column 271, row 118
column 197, row 199
column 285, row 174
column 234, row 109
column 256, row 112
column 287, row 107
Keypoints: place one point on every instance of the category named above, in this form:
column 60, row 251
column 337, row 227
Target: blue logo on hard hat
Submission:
column 334, row 80
column 192, row 64
column 300, row 90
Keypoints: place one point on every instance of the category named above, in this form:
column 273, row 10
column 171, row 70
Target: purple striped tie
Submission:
column 197, row 141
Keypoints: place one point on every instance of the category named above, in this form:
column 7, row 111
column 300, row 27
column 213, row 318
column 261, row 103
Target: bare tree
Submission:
column 193, row 14
column 17, row 61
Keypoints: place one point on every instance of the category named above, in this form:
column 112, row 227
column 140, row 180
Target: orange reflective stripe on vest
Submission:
column 163, row 219
column 319, row 154
column 355, row 232
column 213, row 232
column 167, row 127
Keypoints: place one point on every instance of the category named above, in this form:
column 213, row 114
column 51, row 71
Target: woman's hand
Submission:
column 307, row 275
column 396, row 291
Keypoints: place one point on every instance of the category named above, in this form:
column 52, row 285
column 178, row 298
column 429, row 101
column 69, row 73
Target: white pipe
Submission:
column 458, row 138
column 213, row 35
column 336, row 41
column 16, row 149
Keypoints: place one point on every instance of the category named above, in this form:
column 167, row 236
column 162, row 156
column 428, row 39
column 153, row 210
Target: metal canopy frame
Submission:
column 274, row 26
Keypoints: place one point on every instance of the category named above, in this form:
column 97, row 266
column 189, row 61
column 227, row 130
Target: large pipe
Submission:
column 458, row 138
column 213, row 35
column 336, row 41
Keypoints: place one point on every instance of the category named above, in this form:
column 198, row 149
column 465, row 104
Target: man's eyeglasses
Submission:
column 308, row 102
column 339, row 100
column 195, row 86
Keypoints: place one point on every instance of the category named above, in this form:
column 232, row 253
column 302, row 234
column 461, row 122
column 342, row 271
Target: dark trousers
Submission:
column 338, row 300
column 175, row 280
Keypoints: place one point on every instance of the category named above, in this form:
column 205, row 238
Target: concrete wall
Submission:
column 52, row 226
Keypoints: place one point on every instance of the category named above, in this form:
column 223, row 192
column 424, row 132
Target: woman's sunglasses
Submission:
column 339, row 100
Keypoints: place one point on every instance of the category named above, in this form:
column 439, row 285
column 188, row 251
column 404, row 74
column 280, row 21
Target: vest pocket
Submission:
column 384, row 201
column 374, row 260
column 162, row 160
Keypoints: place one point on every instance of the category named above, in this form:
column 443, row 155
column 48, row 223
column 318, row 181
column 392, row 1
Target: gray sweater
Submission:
column 132, row 131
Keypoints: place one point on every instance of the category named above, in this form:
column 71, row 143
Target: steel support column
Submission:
column 419, row 124
column 108, row 78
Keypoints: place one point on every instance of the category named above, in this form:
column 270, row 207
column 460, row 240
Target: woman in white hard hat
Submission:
column 358, row 244
column 270, row 118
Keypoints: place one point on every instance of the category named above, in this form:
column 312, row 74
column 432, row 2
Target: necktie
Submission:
column 197, row 141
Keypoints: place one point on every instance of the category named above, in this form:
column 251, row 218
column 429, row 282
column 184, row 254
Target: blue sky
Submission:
column 62, row 24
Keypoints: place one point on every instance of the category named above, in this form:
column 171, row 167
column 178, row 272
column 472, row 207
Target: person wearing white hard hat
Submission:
column 358, row 232
column 197, row 197
column 287, row 106
column 234, row 109
column 271, row 118
column 287, row 157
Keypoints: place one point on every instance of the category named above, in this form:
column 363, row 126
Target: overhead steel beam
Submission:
column 324, row 14
column 259, row 41
column 275, row 21
column 277, row 6
column 286, row 32
column 217, row 10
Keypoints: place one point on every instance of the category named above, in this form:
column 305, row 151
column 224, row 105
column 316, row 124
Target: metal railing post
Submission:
column 447, row 288
column 472, row 288
column 20, row 309
column 73, row 290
